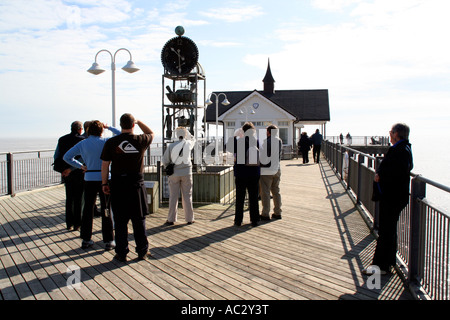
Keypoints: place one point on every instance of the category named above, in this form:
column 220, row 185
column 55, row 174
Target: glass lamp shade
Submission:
column 130, row 67
column 95, row 69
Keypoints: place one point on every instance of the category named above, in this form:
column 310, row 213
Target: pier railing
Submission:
column 423, row 229
column 27, row 170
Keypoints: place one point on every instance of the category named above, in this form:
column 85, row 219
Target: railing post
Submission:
column 160, row 179
column 10, row 173
column 350, row 171
column 376, row 217
column 418, row 191
column 358, row 191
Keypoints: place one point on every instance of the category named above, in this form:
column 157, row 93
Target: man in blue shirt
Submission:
column 90, row 150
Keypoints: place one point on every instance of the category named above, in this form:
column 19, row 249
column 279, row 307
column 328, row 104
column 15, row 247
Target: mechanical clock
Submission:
column 179, row 55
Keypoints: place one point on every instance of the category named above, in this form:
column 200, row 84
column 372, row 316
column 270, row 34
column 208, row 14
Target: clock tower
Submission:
column 183, row 84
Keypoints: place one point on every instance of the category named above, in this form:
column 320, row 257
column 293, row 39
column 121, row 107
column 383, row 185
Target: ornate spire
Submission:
column 269, row 81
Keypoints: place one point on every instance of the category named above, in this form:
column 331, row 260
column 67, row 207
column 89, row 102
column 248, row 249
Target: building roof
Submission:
column 304, row 105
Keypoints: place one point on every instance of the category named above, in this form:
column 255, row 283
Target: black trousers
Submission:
column 305, row 155
column 91, row 190
column 74, row 193
column 316, row 153
column 129, row 202
column 251, row 185
column 386, row 249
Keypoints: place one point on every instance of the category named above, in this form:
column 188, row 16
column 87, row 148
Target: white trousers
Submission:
column 183, row 184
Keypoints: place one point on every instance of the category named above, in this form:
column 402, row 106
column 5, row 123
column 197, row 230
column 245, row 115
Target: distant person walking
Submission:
column 71, row 176
column 316, row 139
column 125, row 154
column 304, row 145
column 393, row 178
column 271, row 174
column 349, row 139
column 90, row 150
column 179, row 153
column 341, row 138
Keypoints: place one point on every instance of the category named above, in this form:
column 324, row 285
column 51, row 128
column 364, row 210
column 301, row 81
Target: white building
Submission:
column 289, row 110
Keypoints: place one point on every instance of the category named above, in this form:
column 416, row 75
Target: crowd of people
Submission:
column 113, row 170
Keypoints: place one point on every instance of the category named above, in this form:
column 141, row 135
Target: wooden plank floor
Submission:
column 316, row 252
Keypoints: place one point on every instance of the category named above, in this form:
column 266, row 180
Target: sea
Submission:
column 431, row 160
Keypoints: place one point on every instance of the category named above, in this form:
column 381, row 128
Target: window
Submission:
column 230, row 124
column 283, row 133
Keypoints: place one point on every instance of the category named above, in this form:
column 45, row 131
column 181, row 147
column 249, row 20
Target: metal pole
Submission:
column 418, row 191
column 10, row 173
column 113, row 72
column 216, row 152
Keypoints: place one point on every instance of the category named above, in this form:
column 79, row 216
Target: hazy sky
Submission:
column 383, row 61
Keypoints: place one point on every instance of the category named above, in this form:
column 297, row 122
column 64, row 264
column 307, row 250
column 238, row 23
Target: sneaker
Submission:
column 87, row 244
column 168, row 223
column 254, row 223
column 264, row 217
column 110, row 245
column 191, row 222
column 276, row 216
column 237, row 224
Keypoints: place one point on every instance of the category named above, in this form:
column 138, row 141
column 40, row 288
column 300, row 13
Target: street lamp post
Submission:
column 246, row 113
column 225, row 102
column 129, row 67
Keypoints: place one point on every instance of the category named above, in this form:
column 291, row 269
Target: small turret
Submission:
column 269, row 81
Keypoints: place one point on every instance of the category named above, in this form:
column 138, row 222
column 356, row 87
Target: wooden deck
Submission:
column 316, row 252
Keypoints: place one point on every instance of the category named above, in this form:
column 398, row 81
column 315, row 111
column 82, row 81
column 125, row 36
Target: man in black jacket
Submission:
column 393, row 178
column 72, row 177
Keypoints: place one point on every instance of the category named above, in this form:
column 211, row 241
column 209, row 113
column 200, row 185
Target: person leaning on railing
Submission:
column 392, row 183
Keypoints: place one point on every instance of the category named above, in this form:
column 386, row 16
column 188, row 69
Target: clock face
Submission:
column 179, row 55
